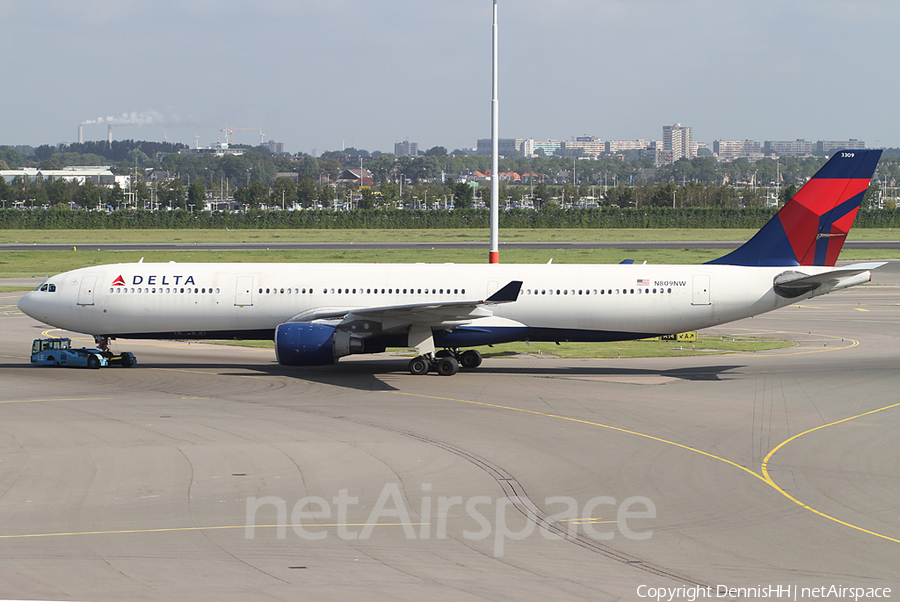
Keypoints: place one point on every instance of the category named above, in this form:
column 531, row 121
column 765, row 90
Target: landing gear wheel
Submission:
column 419, row 365
column 447, row 366
column 470, row 359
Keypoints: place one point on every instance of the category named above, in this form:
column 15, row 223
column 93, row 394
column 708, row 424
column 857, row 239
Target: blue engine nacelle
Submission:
column 308, row 344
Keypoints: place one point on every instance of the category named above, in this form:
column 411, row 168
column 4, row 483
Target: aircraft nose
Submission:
column 26, row 304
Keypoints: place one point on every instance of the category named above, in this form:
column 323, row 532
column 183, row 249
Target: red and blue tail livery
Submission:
column 811, row 228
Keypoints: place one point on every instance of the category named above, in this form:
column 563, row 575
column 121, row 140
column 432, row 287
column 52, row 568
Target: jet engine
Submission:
column 308, row 344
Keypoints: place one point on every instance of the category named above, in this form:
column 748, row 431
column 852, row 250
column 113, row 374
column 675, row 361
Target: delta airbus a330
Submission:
column 317, row 313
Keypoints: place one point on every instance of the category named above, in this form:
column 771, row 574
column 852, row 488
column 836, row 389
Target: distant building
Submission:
column 677, row 142
column 823, row 147
column 589, row 145
column 363, row 177
column 100, row 175
column 406, row 149
column 293, row 176
column 508, row 147
column 788, row 148
column 729, row 150
column 219, row 149
column 276, row 148
column 617, row 146
column 548, row 146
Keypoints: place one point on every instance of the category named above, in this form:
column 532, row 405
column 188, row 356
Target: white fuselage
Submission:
column 556, row 302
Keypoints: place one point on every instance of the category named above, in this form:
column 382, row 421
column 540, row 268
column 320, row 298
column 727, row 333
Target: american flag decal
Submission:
column 643, row 282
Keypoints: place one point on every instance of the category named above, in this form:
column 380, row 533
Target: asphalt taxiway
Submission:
column 210, row 472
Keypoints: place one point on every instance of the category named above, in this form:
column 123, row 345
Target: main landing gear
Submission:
column 445, row 362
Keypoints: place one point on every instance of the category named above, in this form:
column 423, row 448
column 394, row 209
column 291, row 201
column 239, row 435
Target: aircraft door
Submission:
column 701, row 290
column 243, row 291
column 86, row 291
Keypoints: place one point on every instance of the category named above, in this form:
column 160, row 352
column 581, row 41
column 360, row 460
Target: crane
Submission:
column 231, row 130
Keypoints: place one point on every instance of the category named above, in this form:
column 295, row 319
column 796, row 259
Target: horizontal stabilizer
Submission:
column 793, row 284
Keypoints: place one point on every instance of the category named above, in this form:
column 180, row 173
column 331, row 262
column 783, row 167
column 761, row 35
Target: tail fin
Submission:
column 811, row 228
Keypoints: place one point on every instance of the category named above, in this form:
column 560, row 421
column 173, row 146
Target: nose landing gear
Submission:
column 125, row 359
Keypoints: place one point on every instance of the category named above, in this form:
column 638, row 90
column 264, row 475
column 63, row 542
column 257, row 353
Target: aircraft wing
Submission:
column 373, row 320
column 793, row 284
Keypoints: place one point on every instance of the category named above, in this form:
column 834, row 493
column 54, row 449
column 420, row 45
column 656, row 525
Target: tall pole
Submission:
column 494, row 256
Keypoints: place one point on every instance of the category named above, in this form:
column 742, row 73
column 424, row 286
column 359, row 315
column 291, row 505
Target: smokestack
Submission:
column 80, row 134
column 109, row 134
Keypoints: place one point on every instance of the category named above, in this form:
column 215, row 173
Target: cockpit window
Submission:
column 44, row 287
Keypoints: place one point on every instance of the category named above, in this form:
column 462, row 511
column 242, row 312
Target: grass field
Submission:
column 40, row 264
column 15, row 264
column 82, row 237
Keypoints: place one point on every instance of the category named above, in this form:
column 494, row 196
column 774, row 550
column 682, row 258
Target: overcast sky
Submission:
column 320, row 74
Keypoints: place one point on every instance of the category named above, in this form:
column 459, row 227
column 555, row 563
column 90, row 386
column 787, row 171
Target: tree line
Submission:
column 307, row 193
